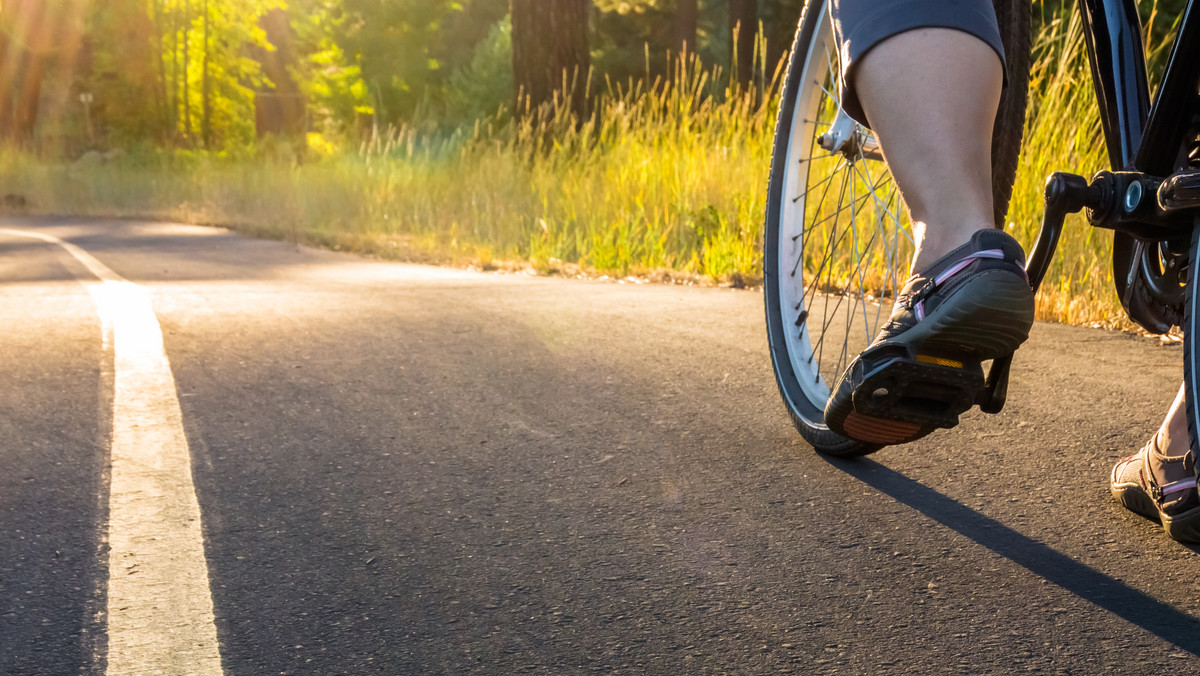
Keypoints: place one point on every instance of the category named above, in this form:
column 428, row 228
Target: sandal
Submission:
column 1167, row 495
column 924, row 369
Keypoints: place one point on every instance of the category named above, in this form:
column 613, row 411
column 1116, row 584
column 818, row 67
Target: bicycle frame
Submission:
column 1142, row 140
column 1140, row 136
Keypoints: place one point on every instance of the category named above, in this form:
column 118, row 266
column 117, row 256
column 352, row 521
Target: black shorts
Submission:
column 859, row 25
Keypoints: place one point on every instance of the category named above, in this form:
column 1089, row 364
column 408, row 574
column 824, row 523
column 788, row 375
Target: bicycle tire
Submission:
column 808, row 104
column 1191, row 351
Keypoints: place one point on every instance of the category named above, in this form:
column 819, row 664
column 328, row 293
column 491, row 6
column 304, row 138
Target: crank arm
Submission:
column 1065, row 194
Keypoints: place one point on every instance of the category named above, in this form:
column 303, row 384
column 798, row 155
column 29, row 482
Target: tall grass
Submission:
column 663, row 176
column 1062, row 133
column 660, row 176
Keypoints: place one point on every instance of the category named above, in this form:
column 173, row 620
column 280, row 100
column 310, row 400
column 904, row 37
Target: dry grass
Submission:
column 669, row 176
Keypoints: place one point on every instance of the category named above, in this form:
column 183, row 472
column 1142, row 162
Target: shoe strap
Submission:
column 962, row 264
column 917, row 301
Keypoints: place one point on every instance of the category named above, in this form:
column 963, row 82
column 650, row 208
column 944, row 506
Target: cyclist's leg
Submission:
column 932, row 96
column 1173, row 434
column 927, row 76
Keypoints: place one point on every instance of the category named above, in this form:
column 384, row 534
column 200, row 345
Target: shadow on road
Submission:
column 1110, row 594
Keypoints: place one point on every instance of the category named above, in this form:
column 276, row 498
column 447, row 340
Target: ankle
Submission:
column 1171, row 445
column 932, row 244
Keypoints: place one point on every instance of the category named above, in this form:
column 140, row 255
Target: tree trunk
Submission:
column 686, row 12
column 164, row 98
column 550, row 54
column 10, row 56
column 173, row 97
column 187, row 99
column 205, row 124
column 28, row 29
column 30, row 97
column 743, row 25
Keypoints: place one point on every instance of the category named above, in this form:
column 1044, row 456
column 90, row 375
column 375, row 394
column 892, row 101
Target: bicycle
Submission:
column 828, row 274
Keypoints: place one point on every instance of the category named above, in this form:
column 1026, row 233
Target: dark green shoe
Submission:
column 924, row 368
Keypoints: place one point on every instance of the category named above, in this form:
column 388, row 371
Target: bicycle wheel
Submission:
column 837, row 241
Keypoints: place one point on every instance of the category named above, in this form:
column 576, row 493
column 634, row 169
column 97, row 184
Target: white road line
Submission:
column 160, row 612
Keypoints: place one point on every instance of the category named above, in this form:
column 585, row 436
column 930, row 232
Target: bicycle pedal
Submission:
column 900, row 384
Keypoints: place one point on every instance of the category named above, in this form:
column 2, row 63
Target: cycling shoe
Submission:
column 1167, row 495
column 924, row 369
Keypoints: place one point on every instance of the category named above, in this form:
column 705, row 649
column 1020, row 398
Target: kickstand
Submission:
column 1065, row 194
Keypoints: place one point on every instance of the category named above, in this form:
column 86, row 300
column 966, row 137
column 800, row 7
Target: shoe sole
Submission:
column 1183, row 527
column 987, row 317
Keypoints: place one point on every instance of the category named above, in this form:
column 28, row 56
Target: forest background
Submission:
column 601, row 137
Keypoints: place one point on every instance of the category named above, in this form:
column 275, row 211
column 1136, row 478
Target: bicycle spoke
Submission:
column 835, row 240
column 833, row 215
column 889, row 256
column 827, row 179
column 849, row 319
column 864, row 198
column 842, row 356
column 818, row 157
column 829, row 250
column 860, row 254
column 832, row 77
column 861, row 297
column 824, row 194
column 842, row 210
column 831, row 245
column 827, row 93
column 816, row 288
column 891, row 259
column 825, row 318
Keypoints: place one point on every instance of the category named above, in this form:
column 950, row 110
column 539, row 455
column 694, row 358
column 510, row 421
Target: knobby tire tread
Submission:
column 1015, row 19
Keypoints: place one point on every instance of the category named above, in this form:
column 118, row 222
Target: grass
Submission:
column 663, row 177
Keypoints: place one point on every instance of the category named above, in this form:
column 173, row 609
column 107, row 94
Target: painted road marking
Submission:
column 160, row 612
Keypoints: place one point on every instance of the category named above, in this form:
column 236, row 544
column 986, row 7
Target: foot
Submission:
column 923, row 369
column 1160, row 487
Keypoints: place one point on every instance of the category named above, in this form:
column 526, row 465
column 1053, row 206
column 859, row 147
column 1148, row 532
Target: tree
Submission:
column 779, row 19
column 121, row 73
column 165, row 69
column 743, row 24
column 279, row 106
column 34, row 36
column 550, row 54
column 212, row 78
column 686, row 16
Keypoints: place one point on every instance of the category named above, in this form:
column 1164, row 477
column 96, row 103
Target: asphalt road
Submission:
column 413, row 470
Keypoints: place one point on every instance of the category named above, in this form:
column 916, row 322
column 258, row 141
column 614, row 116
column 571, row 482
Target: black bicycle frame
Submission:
column 1139, row 136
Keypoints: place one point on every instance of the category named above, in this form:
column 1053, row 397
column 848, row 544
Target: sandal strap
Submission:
column 1158, row 492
